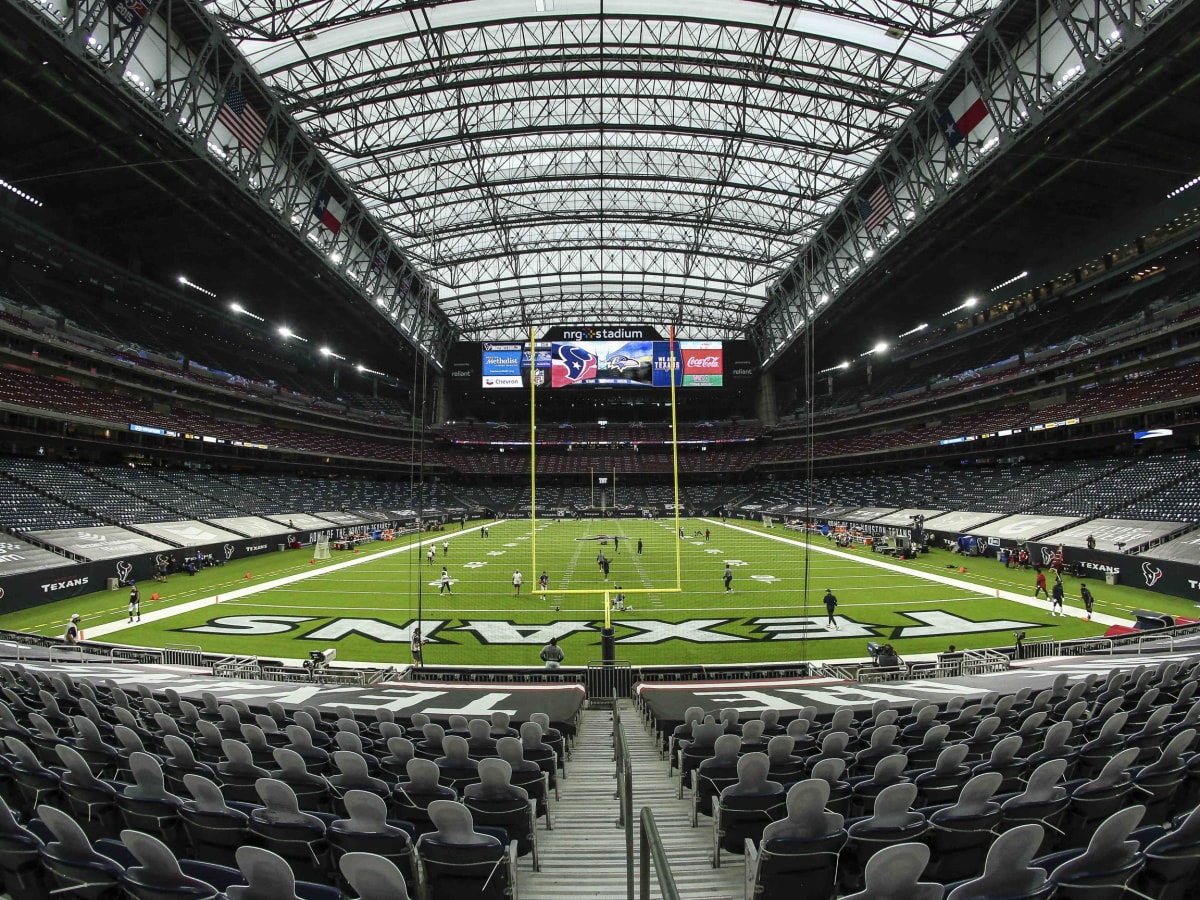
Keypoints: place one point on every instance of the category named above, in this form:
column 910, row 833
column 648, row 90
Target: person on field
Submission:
column 728, row 579
column 1085, row 595
column 1041, row 585
column 552, row 654
column 73, row 635
column 135, row 602
column 444, row 582
column 516, row 582
column 830, row 605
column 418, row 648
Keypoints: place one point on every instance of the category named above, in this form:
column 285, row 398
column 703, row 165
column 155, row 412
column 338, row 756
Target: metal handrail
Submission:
column 624, row 773
column 652, row 848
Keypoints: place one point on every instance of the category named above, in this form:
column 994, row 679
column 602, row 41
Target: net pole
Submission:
column 675, row 465
column 532, row 456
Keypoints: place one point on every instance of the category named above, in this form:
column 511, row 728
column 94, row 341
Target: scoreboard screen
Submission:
column 589, row 363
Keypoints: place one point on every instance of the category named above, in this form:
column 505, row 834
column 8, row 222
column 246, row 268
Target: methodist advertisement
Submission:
column 502, row 365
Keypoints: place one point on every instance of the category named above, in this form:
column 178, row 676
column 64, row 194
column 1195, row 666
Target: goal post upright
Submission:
column 532, row 454
column 675, row 465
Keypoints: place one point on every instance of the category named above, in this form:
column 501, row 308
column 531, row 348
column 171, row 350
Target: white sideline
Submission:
column 968, row 586
column 114, row 627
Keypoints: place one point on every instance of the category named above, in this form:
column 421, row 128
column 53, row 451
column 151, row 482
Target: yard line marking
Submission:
column 113, row 627
column 1023, row 599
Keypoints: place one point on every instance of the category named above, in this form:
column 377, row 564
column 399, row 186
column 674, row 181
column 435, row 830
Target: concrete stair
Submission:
column 584, row 854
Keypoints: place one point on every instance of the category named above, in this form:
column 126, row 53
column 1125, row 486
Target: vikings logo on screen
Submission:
column 572, row 364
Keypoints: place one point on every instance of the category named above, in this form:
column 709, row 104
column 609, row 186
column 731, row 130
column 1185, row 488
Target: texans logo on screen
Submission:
column 572, row 365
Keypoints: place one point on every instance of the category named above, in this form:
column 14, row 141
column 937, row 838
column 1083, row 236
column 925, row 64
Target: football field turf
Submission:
column 365, row 604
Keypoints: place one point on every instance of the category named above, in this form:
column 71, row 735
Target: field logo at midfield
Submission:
column 926, row 624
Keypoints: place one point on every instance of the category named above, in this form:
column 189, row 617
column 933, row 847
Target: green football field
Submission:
column 365, row 604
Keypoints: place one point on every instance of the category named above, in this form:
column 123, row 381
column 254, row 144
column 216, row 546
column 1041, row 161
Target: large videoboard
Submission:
column 593, row 363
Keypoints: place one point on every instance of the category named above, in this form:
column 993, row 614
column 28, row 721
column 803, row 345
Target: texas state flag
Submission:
column 329, row 212
column 572, row 364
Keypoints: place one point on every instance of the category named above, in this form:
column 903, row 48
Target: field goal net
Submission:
column 321, row 548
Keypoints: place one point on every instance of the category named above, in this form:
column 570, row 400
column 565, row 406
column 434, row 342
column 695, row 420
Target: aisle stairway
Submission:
column 584, row 854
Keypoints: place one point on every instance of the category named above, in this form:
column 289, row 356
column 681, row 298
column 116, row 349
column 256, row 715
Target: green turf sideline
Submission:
column 1024, row 599
column 99, row 631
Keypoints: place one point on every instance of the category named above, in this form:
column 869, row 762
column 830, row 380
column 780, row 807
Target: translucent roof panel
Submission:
column 554, row 161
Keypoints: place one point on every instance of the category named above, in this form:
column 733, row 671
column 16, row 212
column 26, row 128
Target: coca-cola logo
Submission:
column 704, row 362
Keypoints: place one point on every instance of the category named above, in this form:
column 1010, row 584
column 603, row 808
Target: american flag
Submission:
column 880, row 207
column 239, row 117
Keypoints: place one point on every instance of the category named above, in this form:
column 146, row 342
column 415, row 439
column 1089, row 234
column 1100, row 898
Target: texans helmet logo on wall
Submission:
column 572, row 364
column 1151, row 574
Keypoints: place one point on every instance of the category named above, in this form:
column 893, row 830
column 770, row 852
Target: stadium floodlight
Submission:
column 183, row 280
column 837, row 368
column 1009, row 281
column 920, row 327
column 1187, row 185
column 325, row 351
column 966, row 304
column 20, row 193
column 287, row 334
column 242, row 311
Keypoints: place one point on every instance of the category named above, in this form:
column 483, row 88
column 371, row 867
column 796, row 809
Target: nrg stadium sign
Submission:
column 594, row 333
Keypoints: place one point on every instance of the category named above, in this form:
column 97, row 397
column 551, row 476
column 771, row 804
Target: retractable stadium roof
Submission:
column 555, row 161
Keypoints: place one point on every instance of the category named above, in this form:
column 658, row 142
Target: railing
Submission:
column 980, row 662
column 624, row 772
column 378, row 676
column 1155, row 637
column 844, row 673
column 183, row 655
column 66, row 653
column 1085, row 647
column 143, row 655
column 357, row 677
column 1038, row 649
column 651, row 848
column 238, row 667
column 605, row 680
column 872, row 675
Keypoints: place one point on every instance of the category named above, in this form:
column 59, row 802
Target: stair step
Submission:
column 584, row 854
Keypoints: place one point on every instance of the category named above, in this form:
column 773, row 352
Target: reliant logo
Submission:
column 604, row 334
column 64, row 585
